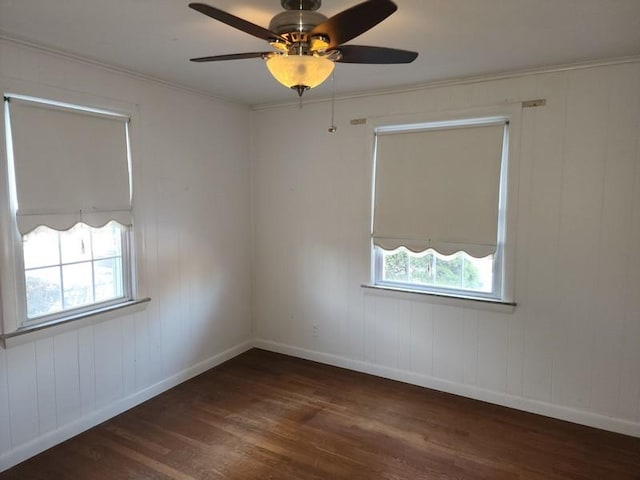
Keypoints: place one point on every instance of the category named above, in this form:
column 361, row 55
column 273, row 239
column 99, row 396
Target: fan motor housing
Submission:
column 296, row 21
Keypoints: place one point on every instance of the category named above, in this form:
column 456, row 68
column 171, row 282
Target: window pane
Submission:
column 106, row 240
column 41, row 248
column 448, row 272
column 75, row 244
column 421, row 268
column 108, row 279
column 43, row 291
column 478, row 274
column 396, row 266
column 78, row 285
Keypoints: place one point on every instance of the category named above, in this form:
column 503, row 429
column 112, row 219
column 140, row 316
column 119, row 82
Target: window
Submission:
column 69, row 198
column 439, row 207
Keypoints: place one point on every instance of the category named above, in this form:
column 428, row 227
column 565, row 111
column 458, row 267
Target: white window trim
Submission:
column 512, row 113
column 71, row 322
column 16, row 328
column 439, row 298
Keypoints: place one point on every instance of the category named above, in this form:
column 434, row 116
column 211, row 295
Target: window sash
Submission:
column 127, row 286
column 494, row 294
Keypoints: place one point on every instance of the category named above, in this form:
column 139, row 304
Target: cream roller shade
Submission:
column 70, row 166
column 439, row 188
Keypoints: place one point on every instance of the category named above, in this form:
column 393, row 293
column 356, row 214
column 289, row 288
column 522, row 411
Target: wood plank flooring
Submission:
column 269, row 416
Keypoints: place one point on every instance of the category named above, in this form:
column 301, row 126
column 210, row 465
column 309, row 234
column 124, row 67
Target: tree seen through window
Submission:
column 458, row 271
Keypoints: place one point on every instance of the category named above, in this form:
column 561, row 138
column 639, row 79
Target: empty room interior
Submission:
column 304, row 239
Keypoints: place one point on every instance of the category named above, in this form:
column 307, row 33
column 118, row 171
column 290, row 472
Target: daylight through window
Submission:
column 72, row 269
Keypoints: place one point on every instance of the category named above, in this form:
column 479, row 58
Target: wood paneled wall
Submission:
column 192, row 214
column 571, row 347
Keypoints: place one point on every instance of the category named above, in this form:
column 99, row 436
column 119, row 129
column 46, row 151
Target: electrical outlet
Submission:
column 314, row 330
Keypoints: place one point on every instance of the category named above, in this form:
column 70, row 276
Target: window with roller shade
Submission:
column 68, row 172
column 438, row 206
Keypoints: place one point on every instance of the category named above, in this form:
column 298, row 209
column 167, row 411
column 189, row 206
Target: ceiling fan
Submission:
column 306, row 44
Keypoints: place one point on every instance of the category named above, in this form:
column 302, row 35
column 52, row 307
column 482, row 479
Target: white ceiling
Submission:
column 455, row 38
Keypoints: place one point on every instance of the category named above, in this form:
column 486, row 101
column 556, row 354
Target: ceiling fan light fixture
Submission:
column 279, row 45
column 300, row 72
column 319, row 43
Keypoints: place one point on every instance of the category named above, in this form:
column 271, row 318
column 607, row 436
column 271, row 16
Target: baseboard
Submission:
column 560, row 412
column 48, row 440
column 65, row 432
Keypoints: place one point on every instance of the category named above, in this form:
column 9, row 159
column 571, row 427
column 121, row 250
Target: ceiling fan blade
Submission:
column 375, row 55
column 233, row 56
column 236, row 22
column 354, row 21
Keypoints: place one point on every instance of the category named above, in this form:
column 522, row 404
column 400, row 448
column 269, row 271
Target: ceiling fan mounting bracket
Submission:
column 301, row 4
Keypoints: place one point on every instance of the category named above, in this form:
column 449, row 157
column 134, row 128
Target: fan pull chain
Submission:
column 333, row 128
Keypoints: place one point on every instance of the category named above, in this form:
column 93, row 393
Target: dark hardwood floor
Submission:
column 268, row 416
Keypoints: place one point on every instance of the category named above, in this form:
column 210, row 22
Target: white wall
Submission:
column 571, row 347
column 193, row 211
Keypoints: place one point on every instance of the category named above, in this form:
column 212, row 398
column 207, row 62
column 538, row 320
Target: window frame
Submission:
column 16, row 327
column 504, row 257
column 439, row 290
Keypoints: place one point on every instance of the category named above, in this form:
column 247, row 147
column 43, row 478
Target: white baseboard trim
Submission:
column 560, row 412
column 49, row 439
column 65, row 432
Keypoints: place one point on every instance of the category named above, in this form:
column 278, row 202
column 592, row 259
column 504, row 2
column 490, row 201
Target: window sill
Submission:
column 442, row 299
column 42, row 330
